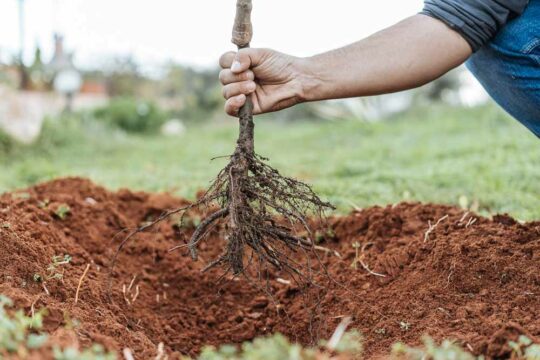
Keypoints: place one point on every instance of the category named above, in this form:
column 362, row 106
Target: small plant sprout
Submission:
column 431, row 350
column 53, row 270
column 62, row 211
column 405, row 326
column 18, row 332
column 278, row 347
column 321, row 236
column 524, row 348
column 96, row 352
column 44, row 204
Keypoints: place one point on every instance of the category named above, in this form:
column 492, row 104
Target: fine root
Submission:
column 252, row 195
column 260, row 208
column 261, row 211
column 432, row 227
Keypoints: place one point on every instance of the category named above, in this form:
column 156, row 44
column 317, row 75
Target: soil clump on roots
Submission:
column 400, row 271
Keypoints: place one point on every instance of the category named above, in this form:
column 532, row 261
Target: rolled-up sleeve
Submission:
column 478, row 21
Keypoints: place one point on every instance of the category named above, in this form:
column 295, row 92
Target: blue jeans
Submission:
column 509, row 67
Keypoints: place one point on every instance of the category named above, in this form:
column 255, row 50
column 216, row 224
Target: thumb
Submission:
column 247, row 58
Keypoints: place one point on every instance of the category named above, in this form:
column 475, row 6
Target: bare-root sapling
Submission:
column 261, row 210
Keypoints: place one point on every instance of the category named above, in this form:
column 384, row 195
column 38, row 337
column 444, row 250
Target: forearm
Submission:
column 404, row 56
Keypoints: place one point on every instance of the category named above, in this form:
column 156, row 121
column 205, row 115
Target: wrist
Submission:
column 310, row 83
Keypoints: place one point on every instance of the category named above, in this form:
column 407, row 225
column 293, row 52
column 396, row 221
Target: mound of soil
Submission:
column 468, row 278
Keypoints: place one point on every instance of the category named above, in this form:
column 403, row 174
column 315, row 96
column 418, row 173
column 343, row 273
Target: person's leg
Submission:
column 509, row 67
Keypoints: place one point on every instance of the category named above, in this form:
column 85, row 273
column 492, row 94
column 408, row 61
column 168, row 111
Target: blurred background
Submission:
column 127, row 93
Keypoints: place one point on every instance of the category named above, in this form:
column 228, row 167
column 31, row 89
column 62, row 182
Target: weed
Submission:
column 405, row 326
column 18, row 332
column 350, row 344
column 96, row 352
column 277, row 347
column 44, row 204
column 524, row 348
column 327, row 234
column 53, row 270
column 448, row 350
column 62, row 211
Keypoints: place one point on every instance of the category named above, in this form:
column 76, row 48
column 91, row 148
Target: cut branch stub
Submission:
column 243, row 29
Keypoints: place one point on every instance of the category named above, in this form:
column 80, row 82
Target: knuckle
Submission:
column 246, row 87
column 229, row 109
column 222, row 75
column 226, row 59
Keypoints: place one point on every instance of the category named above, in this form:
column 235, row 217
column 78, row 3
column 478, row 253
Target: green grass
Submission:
column 436, row 154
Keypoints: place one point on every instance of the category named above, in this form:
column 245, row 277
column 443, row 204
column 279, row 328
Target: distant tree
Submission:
column 123, row 77
column 38, row 78
column 198, row 90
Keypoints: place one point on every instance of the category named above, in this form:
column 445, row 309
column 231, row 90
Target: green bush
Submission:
column 7, row 143
column 132, row 115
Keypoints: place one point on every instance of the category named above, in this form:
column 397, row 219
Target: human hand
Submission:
column 272, row 79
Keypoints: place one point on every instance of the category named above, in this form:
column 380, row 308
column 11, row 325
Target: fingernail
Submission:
column 236, row 66
column 251, row 86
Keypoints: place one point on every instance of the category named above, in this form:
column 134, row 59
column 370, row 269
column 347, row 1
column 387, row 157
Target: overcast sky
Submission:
column 192, row 32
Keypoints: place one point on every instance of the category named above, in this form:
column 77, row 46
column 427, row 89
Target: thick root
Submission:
column 251, row 199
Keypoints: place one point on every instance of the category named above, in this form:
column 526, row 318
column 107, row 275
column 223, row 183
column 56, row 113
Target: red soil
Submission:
column 478, row 284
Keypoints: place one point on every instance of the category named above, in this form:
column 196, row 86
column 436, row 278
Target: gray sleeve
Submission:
column 478, row 21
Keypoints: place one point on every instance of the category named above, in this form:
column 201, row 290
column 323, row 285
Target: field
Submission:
column 432, row 155
column 449, row 269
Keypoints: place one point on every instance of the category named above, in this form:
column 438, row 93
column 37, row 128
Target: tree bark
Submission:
column 241, row 37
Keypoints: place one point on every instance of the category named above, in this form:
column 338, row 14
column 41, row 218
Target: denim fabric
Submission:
column 509, row 67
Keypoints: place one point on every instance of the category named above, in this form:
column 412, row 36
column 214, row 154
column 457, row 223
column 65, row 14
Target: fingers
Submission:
column 226, row 76
column 237, row 88
column 237, row 78
column 242, row 60
column 233, row 105
column 226, row 60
